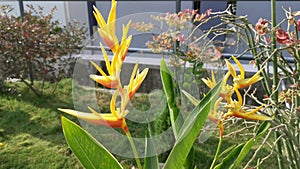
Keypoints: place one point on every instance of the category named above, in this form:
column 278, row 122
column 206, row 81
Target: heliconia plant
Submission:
column 92, row 154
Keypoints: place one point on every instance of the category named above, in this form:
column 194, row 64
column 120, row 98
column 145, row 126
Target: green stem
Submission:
column 135, row 152
column 297, row 103
column 273, row 47
column 275, row 78
column 297, row 99
column 217, row 152
column 251, row 43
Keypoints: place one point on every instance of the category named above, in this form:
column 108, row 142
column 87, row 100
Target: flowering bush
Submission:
column 37, row 47
column 182, row 41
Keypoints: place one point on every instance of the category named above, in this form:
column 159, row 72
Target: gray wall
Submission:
column 60, row 13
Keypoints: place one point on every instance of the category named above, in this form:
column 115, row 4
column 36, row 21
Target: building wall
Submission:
column 60, row 13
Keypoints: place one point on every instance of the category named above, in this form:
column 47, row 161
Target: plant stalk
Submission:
column 134, row 150
column 275, row 78
column 217, row 152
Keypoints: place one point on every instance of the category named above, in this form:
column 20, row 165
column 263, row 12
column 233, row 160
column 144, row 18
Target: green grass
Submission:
column 30, row 128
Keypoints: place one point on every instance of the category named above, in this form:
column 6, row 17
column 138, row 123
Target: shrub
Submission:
column 37, row 47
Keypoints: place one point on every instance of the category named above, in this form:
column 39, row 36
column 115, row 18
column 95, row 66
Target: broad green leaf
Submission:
column 229, row 159
column 189, row 161
column 151, row 160
column 168, row 86
column 237, row 155
column 90, row 153
column 175, row 116
column 191, row 129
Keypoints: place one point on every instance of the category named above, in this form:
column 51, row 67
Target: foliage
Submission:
column 39, row 129
column 37, row 47
column 274, row 46
column 186, row 130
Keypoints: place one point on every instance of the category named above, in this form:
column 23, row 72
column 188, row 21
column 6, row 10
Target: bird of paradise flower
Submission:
column 116, row 117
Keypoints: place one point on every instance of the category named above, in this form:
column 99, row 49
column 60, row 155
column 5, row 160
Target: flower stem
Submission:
column 217, row 152
column 275, row 78
column 135, row 153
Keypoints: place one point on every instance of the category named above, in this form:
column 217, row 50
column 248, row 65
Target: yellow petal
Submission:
column 137, row 82
column 230, row 68
column 113, row 103
column 255, row 117
column 99, row 17
column 98, row 68
column 240, row 66
column 109, row 38
column 239, row 97
column 227, row 75
column 101, row 119
column 94, row 111
column 134, row 72
column 112, row 16
column 208, row 82
column 88, row 116
column 213, row 77
column 107, row 81
column 255, row 78
column 125, row 30
column 107, row 62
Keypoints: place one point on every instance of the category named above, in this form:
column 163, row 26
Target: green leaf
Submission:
column 229, row 159
column 151, row 160
column 168, row 86
column 237, row 155
column 263, row 128
column 90, row 153
column 189, row 161
column 191, row 129
column 226, row 151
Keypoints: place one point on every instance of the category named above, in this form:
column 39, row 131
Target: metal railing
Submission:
column 177, row 3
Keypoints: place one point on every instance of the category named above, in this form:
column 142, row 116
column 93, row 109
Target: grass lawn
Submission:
column 30, row 129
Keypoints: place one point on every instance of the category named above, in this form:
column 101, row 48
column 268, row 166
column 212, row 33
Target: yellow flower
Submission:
column 114, row 68
column 99, row 118
column 116, row 117
column 128, row 91
column 1, row 144
column 235, row 109
column 226, row 91
column 239, row 80
column 107, row 29
column 112, row 79
column 212, row 115
column 113, row 119
column 136, row 80
column 210, row 83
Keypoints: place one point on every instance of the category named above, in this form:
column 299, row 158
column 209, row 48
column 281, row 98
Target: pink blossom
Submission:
column 202, row 16
column 261, row 26
column 180, row 38
column 282, row 37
